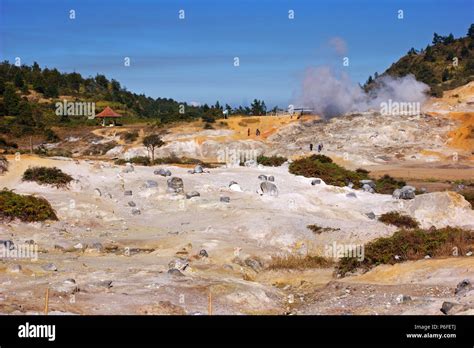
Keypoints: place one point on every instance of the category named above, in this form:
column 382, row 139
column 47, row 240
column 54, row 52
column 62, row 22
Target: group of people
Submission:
column 320, row 147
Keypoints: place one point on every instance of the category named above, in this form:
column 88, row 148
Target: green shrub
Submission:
column 399, row 220
column 468, row 196
column 272, row 161
column 47, row 176
column 412, row 244
column 387, row 184
column 323, row 167
column 318, row 229
column 138, row 160
column 51, row 136
column 129, row 137
column 5, row 144
column 23, row 207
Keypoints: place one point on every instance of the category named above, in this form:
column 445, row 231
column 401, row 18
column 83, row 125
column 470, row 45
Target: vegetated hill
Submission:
column 445, row 64
column 28, row 97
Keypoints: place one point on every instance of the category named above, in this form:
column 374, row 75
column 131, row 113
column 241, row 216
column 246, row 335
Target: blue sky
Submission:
column 193, row 59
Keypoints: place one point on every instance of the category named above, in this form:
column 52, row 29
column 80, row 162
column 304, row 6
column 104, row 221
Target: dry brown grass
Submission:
column 298, row 262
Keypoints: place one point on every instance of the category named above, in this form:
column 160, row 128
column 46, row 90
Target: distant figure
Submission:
column 320, row 147
column 257, row 133
column 310, row 147
column 248, row 132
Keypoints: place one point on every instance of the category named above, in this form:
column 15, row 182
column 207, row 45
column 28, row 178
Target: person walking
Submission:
column 310, row 147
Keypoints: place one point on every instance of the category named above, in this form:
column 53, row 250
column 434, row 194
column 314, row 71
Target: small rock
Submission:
column 371, row 215
column 198, row 169
column 97, row 192
column 127, row 193
column 50, row 267
column 224, row 199
column 70, row 281
column 79, row 246
column 254, row 264
column 369, row 183
column 203, row 253
column 268, row 188
column 151, row 184
column 271, row 178
column 175, row 272
column 233, row 186
column 162, row 172
column 351, row 195
column 397, row 257
column 179, row 264
column 136, row 211
column 452, row 307
column 132, row 204
column 463, row 287
column 315, row 182
column 406, row 192
column 262, row 177
column 192, row 194
column 175, row 185
column 403, row 298
column 368, row 188
column 469, row 253
column 427, row 257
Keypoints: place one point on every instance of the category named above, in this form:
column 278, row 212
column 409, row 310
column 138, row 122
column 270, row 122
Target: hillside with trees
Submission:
column 445, row 64
column 28, row 95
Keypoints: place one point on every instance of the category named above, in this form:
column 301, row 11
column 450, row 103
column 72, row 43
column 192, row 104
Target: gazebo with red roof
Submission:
column 108, row 113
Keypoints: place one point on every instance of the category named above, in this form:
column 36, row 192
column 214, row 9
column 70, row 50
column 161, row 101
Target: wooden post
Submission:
column 46, row 302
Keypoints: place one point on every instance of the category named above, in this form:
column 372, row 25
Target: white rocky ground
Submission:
column 119, row 259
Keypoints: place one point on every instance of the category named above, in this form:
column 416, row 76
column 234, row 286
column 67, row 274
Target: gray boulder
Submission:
column 162, row 172
column 175, row 185
column 192, row 194
column 351, row 195
column 463, row 287
column 271, row 178
column 268, row 188
column 406, row 192
column 368, row 188
column 262, row 177
column 198, row 169
column 127, row 193
column 315, row 182
column 368, row 182
column 50, row 267
column 132, row 204
column 224, row 199
column 371, row 215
